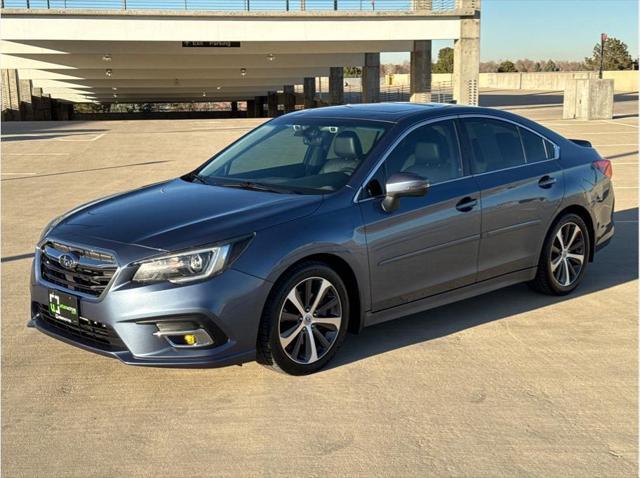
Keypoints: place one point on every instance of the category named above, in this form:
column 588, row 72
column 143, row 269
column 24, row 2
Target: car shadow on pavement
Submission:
column 614, row 265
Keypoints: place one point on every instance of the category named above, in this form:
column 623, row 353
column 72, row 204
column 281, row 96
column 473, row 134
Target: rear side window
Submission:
column 495, row 144
column 535, row 147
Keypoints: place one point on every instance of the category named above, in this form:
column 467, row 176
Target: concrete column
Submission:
column 420, row 80
column 234, row 108
column 38, row 112
column 251, row 108
column 336, row 85
column 289, row 98
column 10, row 95
column 371, row 78
column 26, row 101
column 466, row 58
column 272, row 104
column 309, row 86
column 46, row 107
column 262, row 100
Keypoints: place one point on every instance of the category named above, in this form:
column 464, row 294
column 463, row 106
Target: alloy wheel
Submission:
column 567, row 254
column 310, row 319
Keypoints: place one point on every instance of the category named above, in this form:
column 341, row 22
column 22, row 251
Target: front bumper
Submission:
column 229, row 306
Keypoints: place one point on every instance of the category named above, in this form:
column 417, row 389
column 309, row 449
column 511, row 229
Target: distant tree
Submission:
column 387, row 69
column 488, row 67
column 537, row 67
column 507, row 67
column 404, row 68
column 550, row 66
column 352, row 71
column 525, row 65
column 616, row 56
column 571, row 65
column 445, row 61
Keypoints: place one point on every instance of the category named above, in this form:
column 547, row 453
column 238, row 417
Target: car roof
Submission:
column 389, row 112
column 392, row 112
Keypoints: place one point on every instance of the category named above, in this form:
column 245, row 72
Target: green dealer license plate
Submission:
column 63, row 306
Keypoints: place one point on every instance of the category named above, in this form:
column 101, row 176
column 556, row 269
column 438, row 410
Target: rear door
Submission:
column 521, row 186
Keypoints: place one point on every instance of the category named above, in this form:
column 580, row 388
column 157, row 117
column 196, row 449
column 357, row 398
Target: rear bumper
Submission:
column 229, row 306
column 606, row 237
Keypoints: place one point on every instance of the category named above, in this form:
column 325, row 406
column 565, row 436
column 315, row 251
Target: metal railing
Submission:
column 238, row 5
column 441, row 92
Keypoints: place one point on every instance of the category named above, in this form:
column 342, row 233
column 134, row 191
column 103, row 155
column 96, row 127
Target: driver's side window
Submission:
column 430, row 151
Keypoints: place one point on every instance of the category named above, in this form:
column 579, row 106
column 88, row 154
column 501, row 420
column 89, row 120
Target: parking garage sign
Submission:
column 210, row 44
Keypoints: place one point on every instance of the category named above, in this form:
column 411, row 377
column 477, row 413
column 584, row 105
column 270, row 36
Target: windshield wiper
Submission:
column 195, row 177
column 257, row 187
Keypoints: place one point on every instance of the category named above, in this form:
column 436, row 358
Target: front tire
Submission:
column 564, row 257
column 304, row 321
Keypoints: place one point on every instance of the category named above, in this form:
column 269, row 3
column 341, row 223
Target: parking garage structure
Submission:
column 270, row 54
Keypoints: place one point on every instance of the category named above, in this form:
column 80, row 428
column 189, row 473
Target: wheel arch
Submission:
column 584, row 214
column 347, row 274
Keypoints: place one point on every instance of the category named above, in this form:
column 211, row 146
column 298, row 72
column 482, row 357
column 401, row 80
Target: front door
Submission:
column 428, row 244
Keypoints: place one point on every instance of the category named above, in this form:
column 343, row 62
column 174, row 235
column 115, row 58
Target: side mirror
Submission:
column 403, row 184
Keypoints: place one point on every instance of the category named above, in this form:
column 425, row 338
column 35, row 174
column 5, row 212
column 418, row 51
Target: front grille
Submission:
column 91, row 276
column 87, row 331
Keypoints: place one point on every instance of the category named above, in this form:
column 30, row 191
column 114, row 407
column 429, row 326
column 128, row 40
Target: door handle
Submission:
column 466, row 204
column 546, row 182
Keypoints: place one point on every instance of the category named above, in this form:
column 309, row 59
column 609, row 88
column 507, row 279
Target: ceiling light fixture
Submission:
column 218, row 88
column 114, row 88
column 271, row 57
column 106, row 57
column 243, row 71
column 108, row 72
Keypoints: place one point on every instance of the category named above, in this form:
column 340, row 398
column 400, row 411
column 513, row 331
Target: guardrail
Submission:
column 441, row 92
column 238, row 5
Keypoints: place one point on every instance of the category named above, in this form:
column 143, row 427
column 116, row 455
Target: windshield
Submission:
column 307, row 158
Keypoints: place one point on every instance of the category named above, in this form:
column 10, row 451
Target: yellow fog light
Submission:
column 190, row 339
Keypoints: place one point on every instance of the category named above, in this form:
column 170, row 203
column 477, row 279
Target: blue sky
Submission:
column 548, row 29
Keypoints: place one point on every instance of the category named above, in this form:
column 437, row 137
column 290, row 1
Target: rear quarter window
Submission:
column 534, row 146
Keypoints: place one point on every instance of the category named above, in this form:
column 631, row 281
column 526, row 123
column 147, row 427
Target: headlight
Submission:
column 184, row 267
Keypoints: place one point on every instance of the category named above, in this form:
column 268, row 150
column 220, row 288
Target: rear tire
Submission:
column 304, row 321
column 564, row 257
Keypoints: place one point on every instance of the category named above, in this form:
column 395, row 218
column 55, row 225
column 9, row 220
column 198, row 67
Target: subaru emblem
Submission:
column 68, row 261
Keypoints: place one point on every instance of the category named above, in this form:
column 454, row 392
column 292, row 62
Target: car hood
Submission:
column 178, row 214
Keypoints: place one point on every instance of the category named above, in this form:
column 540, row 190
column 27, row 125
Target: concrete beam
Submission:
column 63, row 47
column 201, row 73
column 178, row 61
column 194, row 83
column 371, row 78
column 420, row 76
column 239, row 26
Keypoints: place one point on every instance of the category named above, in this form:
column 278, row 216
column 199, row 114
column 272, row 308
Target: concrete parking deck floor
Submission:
column 507, row 384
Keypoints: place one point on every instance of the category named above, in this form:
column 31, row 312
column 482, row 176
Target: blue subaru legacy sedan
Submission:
column 318, row 223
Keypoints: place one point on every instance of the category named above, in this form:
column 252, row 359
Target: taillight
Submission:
column 604, row 166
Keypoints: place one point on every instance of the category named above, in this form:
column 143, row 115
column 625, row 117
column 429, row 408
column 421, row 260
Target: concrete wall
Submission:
column 556, row 81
